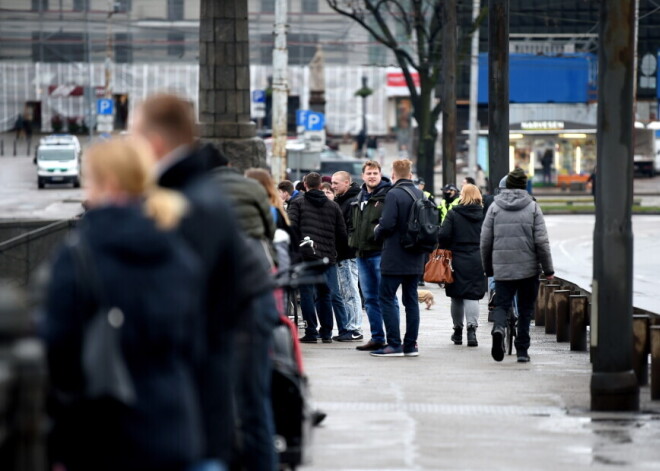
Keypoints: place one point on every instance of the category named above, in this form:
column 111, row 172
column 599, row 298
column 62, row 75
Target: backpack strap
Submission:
column 407, row 190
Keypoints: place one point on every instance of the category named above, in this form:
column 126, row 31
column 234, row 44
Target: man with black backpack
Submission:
column 407, row 237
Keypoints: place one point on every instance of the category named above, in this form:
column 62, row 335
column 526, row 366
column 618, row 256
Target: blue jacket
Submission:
column 395, row 260
column 155, row 280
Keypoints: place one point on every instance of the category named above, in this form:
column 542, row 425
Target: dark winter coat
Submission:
column 366, row 211
column 395, row 260
column 461, row 233
column 514, row 240
column 249, row 201
column 155, row 280
column 320, row 219
column 344, row 201
column 235, row 275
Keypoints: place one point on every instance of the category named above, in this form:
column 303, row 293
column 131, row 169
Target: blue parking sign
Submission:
column 301, row 118
column 105, row 106
column 315, row 121
column 258, row 96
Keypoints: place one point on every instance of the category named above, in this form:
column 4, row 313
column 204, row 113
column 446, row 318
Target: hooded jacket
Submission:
column 514, row 240
column 156, row 282
column 316, row 217
column 366, row 210
column 461, row 233
column 344, row 201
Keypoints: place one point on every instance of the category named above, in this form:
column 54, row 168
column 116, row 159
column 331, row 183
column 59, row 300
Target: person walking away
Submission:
column 461, row 233
column 398, row 266
column 372, row 147
column 320, row 219
column 347, row 269
column 237, row 284
column 366, row 211
column 514, row 243
column 151, row 280
column 450, row 196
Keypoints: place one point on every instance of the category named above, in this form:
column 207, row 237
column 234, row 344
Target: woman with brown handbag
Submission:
column 461, row 232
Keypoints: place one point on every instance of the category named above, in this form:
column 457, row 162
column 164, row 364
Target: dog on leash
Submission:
column 425, row 296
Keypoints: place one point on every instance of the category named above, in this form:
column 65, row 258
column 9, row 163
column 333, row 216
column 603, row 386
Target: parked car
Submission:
column 58, row 160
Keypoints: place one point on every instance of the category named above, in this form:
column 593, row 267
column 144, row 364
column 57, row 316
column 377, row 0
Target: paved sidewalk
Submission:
column 453, row 407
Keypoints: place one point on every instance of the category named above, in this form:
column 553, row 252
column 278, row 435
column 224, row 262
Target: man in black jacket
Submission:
column 238, row 284
column 347, row 270
column 320, row 219
column 398, row 266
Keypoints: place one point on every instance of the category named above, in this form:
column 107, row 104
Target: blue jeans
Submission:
column 328, row 298
column 347, row 273
column 387, row 294
column 369, row 274
column 526, row 291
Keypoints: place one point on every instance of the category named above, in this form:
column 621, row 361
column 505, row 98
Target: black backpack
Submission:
column 421, row 234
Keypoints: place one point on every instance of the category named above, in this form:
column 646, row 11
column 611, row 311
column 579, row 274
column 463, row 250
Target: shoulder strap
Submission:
column 407, row 190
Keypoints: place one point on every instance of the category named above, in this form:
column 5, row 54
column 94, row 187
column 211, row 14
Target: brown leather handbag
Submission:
column 438, row 269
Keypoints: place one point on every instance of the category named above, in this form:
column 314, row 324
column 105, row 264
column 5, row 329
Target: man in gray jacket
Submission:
column 514, row 246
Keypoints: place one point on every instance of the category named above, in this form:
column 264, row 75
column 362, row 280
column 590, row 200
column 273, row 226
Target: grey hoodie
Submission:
column 514, row 240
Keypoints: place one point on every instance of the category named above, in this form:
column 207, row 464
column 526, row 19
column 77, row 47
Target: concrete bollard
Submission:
column 29, row 147
column 14, row 147
column 641, row 348
column 561, row 314
column 2, row 147
column 549, row 303
column 655, row 362
column 577, row 312
column 539, row 313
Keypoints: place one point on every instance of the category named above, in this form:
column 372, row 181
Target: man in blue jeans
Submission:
column 320, row 219
column 399, row 267
column 365, row 213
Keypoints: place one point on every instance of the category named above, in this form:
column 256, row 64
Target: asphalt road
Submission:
column 21, row 199
column 571, row 239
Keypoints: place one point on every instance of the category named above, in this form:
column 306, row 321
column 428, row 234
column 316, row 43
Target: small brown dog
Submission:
column 425, row 296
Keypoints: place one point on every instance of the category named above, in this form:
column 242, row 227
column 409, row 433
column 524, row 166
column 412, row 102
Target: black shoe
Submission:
column 472, row 336
column 371, row 346
column 523, row 357
column 421, row 283
column 328, row 340
column 309, row 339
column 457, row 336
column 498, row 345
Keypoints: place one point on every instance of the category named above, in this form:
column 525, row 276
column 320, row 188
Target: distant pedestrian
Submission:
column 138, row 268
column 360, row 141
column 546, row 163
column 372, row 147
column 366, row 211
column 327, row 190
column 287, row 192
column 399, row 267
column 315, row 216
column 480, row 179
column 461, row 233
column 347, row 269
column 514, row 243
column 450, row 194
column 592, row 182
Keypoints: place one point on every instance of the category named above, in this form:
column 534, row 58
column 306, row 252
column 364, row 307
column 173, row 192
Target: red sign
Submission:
column 397, row 79
column 72, row 90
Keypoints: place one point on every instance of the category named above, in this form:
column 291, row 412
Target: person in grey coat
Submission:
column 514, row 246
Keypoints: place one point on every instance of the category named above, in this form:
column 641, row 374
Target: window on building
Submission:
column 176, row 44
column 80, row 5
column 39, row 5
column 310, row 6
column 123, row 6
column 267, row 6
column 123, row 49
column 58, row 47
column 174, row 10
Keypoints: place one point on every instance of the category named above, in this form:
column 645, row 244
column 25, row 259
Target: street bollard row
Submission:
column 564, row 310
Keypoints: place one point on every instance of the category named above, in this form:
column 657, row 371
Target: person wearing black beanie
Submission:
column 516, row 179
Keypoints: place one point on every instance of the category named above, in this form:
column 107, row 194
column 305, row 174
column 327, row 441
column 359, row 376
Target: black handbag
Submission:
column 104, row 368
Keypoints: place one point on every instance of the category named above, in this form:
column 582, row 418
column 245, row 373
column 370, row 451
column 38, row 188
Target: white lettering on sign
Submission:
column 530, row 125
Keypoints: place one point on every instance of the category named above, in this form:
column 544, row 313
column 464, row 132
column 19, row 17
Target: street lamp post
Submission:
column 613, row 382
column 364, row 106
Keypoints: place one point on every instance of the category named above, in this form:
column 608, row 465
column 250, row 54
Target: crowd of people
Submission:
column 176, row 251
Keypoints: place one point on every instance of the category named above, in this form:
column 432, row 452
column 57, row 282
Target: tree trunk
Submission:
column 426, row 133
column 449, row 93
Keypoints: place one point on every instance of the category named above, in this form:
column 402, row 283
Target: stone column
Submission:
column 224, row 83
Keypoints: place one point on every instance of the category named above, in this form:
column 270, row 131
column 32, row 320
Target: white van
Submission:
column 58, row 160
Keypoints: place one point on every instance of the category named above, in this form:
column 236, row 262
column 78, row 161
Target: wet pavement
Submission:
column 453, row 407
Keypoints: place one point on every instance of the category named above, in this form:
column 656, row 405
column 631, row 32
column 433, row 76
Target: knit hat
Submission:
column 516, row 180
